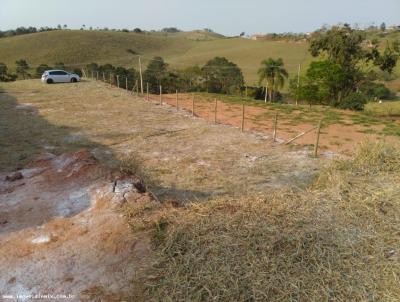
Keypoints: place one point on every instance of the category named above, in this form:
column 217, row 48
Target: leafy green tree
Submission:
column 3, row 70
column 322, row 83
column 155, row 72
column 4, row 75
column 222, row 76
column 343, row 47
column 59, row 65
column 383, row 26
column 191, row 78
column 273, row 72
column 22, row 68
column 41, row 69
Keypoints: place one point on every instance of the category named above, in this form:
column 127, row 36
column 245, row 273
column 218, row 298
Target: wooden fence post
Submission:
column 177, row 100
column 160, row 95
column 126, row 84
column 317, row 139
column 104, row 77
column 242, row 127
column 117, row 80
column 215, row 111
column 193, row 104
column 275, row 127
column 147, row 91
column 97, row 75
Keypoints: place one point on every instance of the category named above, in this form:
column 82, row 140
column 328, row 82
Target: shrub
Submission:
column 354, row 101
column 376, row 90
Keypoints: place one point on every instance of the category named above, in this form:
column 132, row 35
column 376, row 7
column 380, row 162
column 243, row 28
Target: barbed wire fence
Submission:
column 194, row 103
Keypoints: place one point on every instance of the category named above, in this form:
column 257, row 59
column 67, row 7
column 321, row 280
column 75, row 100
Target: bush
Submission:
column 354, row 101
column 376, row 90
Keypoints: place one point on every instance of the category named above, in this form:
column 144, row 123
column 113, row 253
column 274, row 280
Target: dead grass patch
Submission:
column 337, row 241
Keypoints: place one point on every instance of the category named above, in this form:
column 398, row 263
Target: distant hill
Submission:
column 180, row 50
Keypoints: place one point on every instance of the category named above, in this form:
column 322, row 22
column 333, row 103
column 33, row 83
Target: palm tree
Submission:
column 274, row 74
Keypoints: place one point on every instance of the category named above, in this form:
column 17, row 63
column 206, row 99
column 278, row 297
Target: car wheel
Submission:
column 73, row 80
column 49, row 81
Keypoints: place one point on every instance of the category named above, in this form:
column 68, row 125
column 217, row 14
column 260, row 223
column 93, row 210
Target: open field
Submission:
column 236, row 217
column 186, row 158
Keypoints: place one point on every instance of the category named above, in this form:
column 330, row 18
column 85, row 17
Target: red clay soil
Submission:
column 338, row 138
column 61, row 231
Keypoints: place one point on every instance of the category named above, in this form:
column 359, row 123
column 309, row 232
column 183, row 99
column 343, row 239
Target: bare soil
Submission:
column 61, row 232
column 337, row 137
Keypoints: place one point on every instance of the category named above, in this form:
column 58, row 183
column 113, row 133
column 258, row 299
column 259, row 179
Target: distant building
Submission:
column 258, row 37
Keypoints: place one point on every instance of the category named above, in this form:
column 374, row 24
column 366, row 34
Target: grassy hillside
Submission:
column 180, row 50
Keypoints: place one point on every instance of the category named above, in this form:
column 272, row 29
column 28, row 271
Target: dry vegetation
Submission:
column 270, row 230
column 337, row 241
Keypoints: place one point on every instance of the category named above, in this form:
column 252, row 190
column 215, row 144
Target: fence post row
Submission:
column 177, row 101
column 275, row 127
column 317, row 138
column 215, row 111
column 193, row 104
column 242, row 128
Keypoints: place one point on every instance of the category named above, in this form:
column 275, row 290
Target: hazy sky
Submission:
column 225, row 16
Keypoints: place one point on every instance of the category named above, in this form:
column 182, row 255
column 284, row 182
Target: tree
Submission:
column 3, row 70
column 22, row 68
column 4, row 75
column 155, row 72
column 383, row 26
column 343, row 46
column 191, row 78
column 171, row 30
column 137, row 30
column 272, row 71
column 222, row 76
column 41, row 69
column 322, row 83
column 59, row 65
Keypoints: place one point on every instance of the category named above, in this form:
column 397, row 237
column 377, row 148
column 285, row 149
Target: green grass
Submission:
column 384, row 109
column 180, row 50
column 77, row 48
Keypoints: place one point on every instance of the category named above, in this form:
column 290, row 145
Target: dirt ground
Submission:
column 336, row 137
column 61, row 228
column 61, row 232
column 187, row 158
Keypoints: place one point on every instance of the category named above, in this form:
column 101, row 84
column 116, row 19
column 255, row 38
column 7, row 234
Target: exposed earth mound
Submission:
column 61, row 231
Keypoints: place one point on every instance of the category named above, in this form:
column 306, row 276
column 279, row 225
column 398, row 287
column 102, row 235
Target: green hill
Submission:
column 180, row 50
column 77, row 48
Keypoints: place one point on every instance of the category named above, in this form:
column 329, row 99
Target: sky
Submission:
column 229, row 17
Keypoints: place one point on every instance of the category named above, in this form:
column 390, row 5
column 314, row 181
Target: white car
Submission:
column 59, row 76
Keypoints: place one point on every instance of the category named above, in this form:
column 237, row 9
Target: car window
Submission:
column 58, row 73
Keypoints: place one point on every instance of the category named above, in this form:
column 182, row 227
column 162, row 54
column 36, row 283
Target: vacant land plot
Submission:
column 186, row 158
column 341, row 130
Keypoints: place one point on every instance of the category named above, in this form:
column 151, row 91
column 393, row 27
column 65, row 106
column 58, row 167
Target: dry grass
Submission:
column 338, row 241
